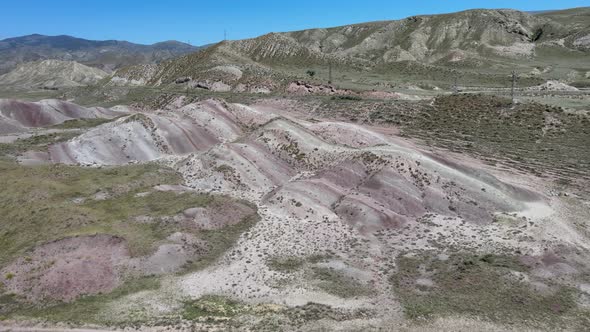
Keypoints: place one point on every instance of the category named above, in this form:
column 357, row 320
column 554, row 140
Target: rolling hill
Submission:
column 214, row 215
column 480, row 46
column 51, row 74
column 348, row 189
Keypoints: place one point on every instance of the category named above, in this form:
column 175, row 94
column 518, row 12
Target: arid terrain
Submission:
column 235, row 188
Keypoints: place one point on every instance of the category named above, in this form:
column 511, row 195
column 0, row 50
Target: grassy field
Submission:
column 534, row 138
column 86, row 310
column 538, row 139
column 35, row 143
column 329, row 280
column 82, row 123
column 483, row 286
column 337, row 283
column 211, row 307
column 44, row 203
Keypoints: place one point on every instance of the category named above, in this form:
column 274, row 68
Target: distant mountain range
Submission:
column 107, row 55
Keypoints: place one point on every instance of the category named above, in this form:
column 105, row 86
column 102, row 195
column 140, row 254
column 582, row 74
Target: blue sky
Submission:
column 203, row 22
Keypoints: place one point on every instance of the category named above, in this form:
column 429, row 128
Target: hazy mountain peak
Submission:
column 105, row 54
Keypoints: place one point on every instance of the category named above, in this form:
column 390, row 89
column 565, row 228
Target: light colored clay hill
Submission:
column 52, row 74
column 19, row 116
column 372, row 183
column 441, row 44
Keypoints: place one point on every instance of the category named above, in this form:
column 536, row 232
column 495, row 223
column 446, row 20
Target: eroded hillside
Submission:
column 211, row 214
column 477, row 47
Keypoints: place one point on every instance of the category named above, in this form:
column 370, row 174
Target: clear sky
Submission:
column 203, row 22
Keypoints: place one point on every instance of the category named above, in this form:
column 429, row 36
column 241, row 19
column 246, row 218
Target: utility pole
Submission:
column 513, row 91
column 224, row 35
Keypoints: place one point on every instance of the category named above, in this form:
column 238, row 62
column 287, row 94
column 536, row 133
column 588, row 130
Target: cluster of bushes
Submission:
column 347, row 97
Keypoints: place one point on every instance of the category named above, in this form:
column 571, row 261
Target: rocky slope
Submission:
column 51, row 74
column 448, row 38
column 106, row 55
column 474, row 40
